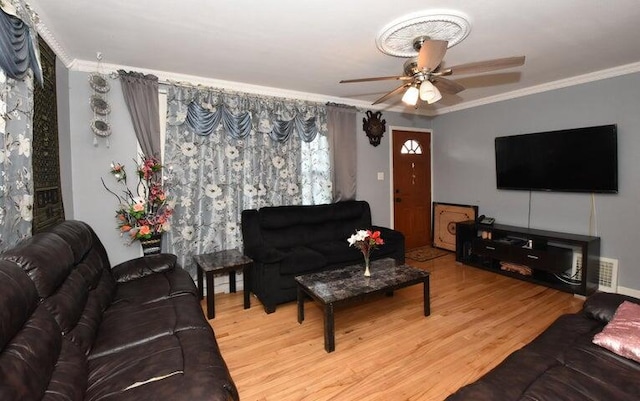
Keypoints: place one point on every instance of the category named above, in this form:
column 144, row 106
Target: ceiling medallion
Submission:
column 396, row 39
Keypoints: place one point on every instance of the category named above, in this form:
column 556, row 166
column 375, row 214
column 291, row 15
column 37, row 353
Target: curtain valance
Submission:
column 240, row 113
column 18, row 46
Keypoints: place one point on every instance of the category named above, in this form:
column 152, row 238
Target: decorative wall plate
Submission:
column 99, row 83
column 99, row 105
column 100, row 127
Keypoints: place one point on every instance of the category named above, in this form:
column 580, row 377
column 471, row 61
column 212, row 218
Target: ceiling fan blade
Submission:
column 392, row 93
column 447, row 85
column 396, row 77
column 487, row 65
column 431, row 54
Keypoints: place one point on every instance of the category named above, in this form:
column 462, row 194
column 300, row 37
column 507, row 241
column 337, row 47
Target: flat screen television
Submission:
column 571, row 160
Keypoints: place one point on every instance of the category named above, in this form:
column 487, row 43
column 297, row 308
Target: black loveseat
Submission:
column 72, row 328
column 285, row 241
column 563, row 364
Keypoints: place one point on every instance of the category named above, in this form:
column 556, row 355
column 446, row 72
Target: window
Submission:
column 411, row 147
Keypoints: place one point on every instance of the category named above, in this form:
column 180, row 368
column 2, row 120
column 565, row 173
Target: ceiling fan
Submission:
column 424, row 76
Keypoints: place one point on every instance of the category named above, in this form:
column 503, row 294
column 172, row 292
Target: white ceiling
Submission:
column 307, row 46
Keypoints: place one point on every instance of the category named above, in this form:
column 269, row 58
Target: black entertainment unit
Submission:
column 548, row 255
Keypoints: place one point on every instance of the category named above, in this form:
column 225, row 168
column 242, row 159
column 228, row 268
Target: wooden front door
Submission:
column 412, row 186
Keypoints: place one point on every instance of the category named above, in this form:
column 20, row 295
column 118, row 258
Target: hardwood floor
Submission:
column 385, row 348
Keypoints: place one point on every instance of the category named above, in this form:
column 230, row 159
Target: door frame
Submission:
column 410, row 129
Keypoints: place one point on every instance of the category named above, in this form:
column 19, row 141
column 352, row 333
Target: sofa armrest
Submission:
column 143, row 266
column 394, row 240
column 602, row 305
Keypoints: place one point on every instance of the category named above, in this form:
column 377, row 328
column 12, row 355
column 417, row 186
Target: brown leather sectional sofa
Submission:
column 563, row 363
column 73, row 328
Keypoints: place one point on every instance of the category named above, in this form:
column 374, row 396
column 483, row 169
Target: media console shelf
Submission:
column 550, row 255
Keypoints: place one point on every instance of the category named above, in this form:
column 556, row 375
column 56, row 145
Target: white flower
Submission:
column 231, row 152
column 360, row 235
column 249, row 190
column 278, row 162
column 187, row 233
column 292, row 189
column 24, row 146
column 231, row 228
column 181, row 116
column 219, row 204
column 212, row 191
column 25, row 205
column 189, row 149
column 262, row 190
column 284, row 174
column 185, row 201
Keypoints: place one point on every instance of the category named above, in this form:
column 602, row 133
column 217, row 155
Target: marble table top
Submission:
column 348, row 282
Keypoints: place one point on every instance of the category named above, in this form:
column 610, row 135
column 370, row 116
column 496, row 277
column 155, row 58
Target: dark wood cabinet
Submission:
column 567, row 262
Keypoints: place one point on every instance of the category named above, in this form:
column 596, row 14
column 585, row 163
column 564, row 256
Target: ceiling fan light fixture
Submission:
column 436, row 96
column 410, row 97
column 427, row 90
column 429, row 93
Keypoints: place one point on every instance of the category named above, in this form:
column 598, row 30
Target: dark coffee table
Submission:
column 334, row 287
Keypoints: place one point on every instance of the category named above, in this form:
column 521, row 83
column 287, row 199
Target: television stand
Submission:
column 548, row 257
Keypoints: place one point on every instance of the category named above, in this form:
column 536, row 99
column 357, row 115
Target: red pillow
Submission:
column 622, row 334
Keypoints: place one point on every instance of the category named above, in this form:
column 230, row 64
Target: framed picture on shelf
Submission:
column 445, row 217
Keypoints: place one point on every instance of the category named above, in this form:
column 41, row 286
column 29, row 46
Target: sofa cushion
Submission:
column 35, row 359
column 622, row 334
column 46, row 259
column 165, row 366
column 601, row 306
column 155, row 287
column 127, row 325
column 337, row 251
column 562, row 383
column 301, row 259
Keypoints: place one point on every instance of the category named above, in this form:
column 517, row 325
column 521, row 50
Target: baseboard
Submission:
column 628, row 291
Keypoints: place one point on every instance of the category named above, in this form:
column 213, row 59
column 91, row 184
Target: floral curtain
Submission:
column 226, row 152
column 16, row 185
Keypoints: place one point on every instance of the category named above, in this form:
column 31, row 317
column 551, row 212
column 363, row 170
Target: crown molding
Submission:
column 549, row 86
column 53, row 43
column 166, row 77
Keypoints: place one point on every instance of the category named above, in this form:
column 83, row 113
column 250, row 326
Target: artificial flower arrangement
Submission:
column 145, row 212
column 366, row 241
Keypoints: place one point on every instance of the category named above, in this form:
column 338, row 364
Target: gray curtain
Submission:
column 16, row 183
column 341, row 125
column 141, row 96
column 18, row 48
column 227, row 152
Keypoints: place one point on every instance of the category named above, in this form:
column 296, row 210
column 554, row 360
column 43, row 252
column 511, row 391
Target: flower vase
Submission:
column 151, row 246
column 367, row 273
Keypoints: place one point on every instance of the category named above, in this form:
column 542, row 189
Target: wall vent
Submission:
column 608, row 280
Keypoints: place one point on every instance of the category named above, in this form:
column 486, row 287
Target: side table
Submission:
column 228, row 261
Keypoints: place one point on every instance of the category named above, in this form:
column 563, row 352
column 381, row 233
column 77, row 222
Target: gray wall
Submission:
column 88, row 163
column 62, row 100
column 464, row 164
column 372, row 160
